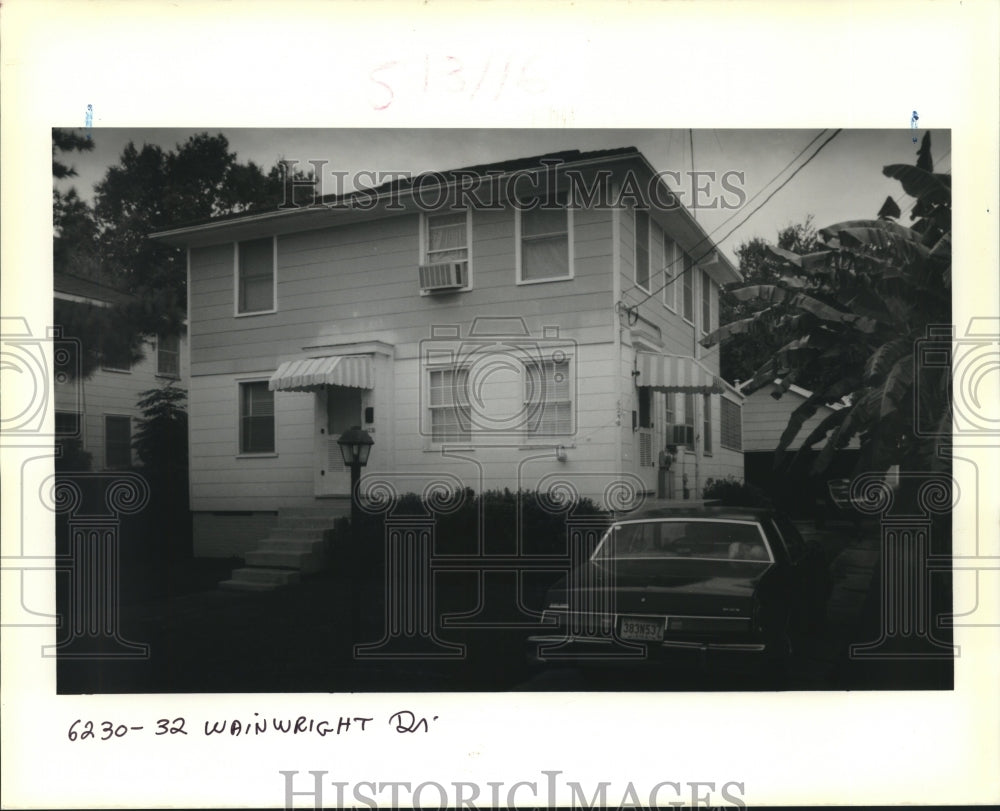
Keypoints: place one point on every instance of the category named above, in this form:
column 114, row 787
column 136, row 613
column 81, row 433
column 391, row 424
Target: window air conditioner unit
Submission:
column 684, row 435
column 443, row 276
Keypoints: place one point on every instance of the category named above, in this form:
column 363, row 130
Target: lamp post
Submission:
column 355, row 446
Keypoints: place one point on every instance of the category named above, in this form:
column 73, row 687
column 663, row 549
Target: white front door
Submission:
column 337, row 409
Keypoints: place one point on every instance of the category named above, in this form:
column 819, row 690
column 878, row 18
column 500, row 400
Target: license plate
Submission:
column 643, row 630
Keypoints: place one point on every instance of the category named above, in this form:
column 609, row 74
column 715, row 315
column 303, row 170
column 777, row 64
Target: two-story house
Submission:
column 531, row 324
column 100, row 410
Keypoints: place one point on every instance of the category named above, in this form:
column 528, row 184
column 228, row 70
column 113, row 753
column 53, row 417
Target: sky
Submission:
column 844, row 181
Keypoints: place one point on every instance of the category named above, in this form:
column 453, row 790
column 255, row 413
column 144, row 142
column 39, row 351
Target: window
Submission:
column 451, row 414
column 545, row 245
column 645, row 407
column 256, row 418
column 447, row 238
column 255, row 261
column 117, row 442
column 706, row 302
column 642, row 249
column 548, row 398
column 731, row 435
column 706, row 435
column 114, row 357
column 670, row 269
column 791, row 538
column 687, row 292
column 67, row 423
column 668, row 415
column 168, row 355
column 689, row 419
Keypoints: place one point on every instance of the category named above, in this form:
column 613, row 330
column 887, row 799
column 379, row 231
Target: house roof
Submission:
column 365, row 204
column 76, row 288
column 805, row 394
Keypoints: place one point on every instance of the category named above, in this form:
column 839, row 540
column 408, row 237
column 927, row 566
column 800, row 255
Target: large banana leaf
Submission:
column 805, row 262
column 897, row 389
column 877, row 235
column 753, row 323
column 884, row 357
column 921, row 184
column 775, row 295
column 858, row 414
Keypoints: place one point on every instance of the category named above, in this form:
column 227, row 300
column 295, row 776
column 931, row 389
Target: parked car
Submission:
column 736, row 585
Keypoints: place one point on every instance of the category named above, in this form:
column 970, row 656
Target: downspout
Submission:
column 616, row 294
column 699, row 407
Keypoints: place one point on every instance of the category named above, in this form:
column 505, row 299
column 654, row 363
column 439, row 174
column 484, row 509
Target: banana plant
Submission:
column 853, row 311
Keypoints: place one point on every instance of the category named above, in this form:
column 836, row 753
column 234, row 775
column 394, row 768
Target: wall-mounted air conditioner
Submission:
column 443, row 276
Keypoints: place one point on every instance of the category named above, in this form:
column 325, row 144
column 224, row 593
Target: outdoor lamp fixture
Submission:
column 355, row 446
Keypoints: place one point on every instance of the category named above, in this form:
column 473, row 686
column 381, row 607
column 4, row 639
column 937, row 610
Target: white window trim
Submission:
column 423, row 259
column 236, row 280
column 104, row 443
column 705, row 449
column 532, row 439
column 239, row 419
column 670, row 267
column 688, row 274
column 739, row 412
column 427, row 424
column 649, row 250
column 569, row 245
column 706, row 328
column 156, row 351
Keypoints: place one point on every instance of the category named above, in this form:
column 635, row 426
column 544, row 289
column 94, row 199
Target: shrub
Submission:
column 733, row 492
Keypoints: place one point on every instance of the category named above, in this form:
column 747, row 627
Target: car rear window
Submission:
column 714, row 540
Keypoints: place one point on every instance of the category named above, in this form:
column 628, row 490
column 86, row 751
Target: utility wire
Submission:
column 743, row 222
column 735, row 214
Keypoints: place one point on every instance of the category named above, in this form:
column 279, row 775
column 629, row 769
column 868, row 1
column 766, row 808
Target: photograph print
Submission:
column 407, row 410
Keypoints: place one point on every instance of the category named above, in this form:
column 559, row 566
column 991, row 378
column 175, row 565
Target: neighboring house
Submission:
column 486, row 346
column 764, row 421
column 101, row 410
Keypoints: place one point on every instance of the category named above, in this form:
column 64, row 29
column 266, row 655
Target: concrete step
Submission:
column 332, row 511
column 255, row 574
column 247, row 585
column 300, row 533
column 319, row 522
column 281, row 544
column 305, row 562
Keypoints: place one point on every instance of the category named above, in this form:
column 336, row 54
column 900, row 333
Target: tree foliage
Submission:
column 150, row 188
column 740, row 359
column 850, row 310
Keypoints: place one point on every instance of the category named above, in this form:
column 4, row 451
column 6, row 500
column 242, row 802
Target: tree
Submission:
column 148, row 189
column 739, row 360
column 161, row 443
column 853, row 312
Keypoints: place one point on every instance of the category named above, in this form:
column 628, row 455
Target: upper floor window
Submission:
column 731, row 433
column 706, row 302
column 687, row 290
column 642, row 250
column 545, row 247
column 256, row 417
column 168, row 355
column 115, row 357
column 447, row 238
column 256, row 278
column 671, row 267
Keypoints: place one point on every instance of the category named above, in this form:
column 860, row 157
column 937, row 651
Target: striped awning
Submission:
column 310, row 374
column 675, row 373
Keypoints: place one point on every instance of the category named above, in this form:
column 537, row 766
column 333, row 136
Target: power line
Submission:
column 735, row 214
column 743, row 222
